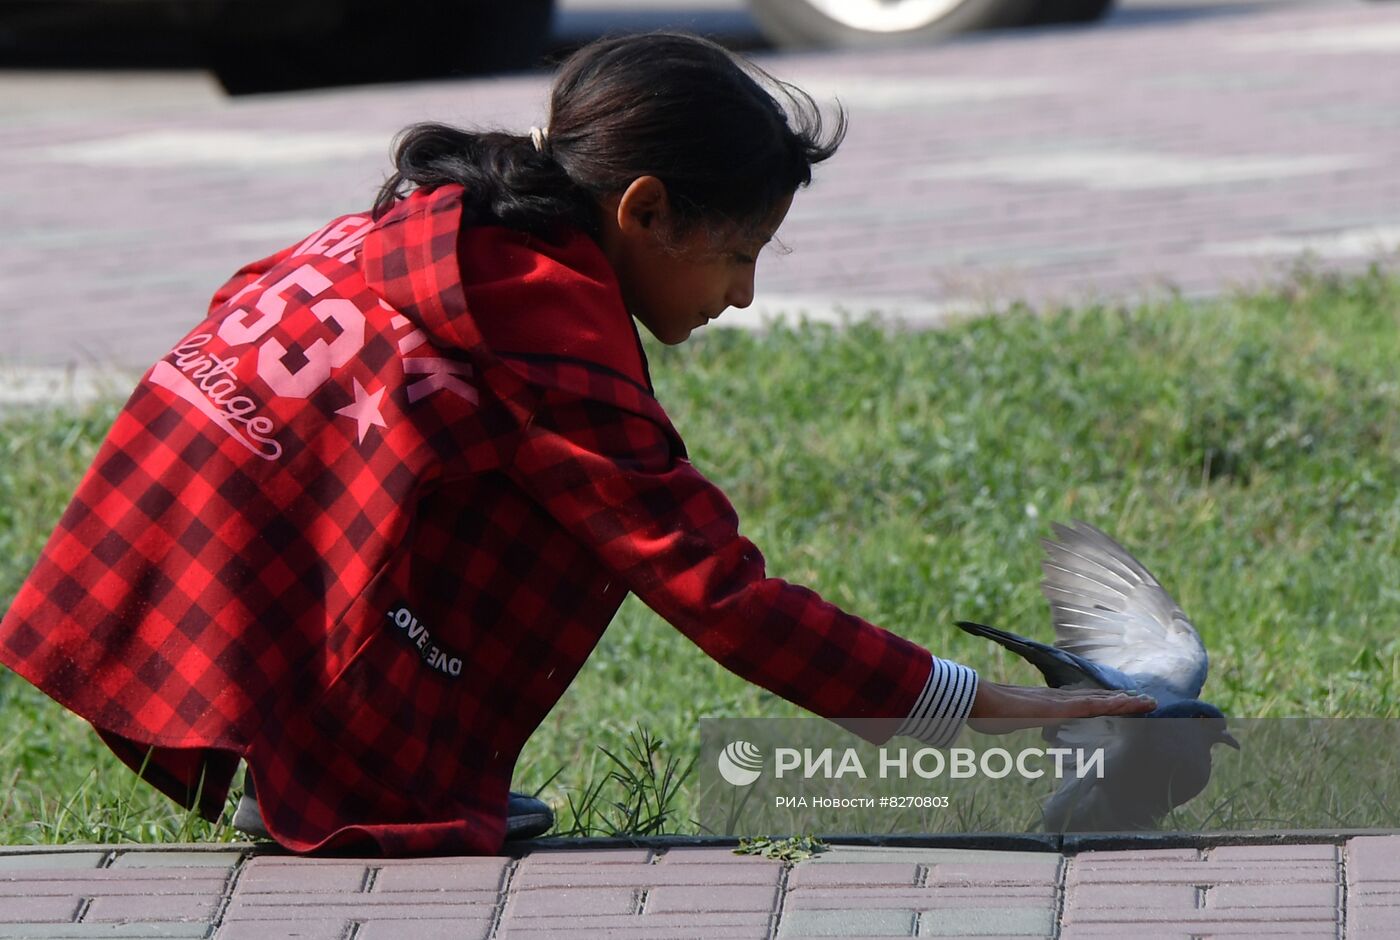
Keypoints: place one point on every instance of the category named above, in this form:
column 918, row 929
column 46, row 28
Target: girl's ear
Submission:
column 644, row 206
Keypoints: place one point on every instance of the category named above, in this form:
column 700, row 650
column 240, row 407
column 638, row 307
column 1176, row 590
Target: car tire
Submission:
column 255, row 46
column 1049, row 12
column 820, row 23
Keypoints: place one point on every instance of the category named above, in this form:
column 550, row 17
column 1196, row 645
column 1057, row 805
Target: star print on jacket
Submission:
column 364, row 410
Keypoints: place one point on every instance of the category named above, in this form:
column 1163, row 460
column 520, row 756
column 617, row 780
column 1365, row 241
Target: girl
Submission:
column 364, row 523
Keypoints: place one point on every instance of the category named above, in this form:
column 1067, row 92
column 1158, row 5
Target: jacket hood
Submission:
column 493, row 291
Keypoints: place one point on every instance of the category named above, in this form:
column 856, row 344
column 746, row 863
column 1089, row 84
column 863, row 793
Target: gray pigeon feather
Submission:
column 1108, row 608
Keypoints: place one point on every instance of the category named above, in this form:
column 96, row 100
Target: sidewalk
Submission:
column 1335, row 886
column 1205, row 151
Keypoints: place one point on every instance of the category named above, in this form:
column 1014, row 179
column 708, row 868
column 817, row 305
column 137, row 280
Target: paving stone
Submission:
column 1371, row 859
column 1096, row 862
column 355, row 906
column 605, row 856
column 1373, row 887
column 847, row 923
column 143, row 882
column 984, row 921
column 1135, row 856
column 1206, row 916
column 1294, row 930
column 1188, row 897
column 1202, row 873
column 121, row 908
column 1378, row 933
column 1268, row 854
column 50, row 861
column 687, row 931
column 660, row 921
column 1273, row 895
column 855, row 873
column 527, row 876
column 588, row 923
column 705, row 899
column 448, row 876
column 328, row 928
column 845, row 854
column 255, row 879
column 466, row 913
column 20, row 910
column 705, row 855
column 131, row 931
column 990, row 874
column 1375, row 892
column 423, row 928
column 302, row 861
column 920, row 898
column 1361, row 918
column 176, row 860
column 150, row 876
column 581, row 901
column 1117, row 896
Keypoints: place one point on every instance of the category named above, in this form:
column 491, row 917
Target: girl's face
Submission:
column 674, row 285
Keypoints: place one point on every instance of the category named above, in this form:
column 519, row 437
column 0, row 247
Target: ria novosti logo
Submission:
column 740, row 763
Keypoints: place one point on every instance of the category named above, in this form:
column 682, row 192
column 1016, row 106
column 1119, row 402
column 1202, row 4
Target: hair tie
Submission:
column 539, row 136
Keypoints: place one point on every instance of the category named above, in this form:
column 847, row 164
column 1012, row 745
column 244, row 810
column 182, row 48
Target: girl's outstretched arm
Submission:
column 622, row 485
column 619, row 481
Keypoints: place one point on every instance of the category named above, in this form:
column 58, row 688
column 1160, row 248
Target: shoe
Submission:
column 526, row 817
column 247, row 817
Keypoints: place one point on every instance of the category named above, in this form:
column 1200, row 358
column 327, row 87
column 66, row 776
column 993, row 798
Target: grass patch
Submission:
column 1246, row 449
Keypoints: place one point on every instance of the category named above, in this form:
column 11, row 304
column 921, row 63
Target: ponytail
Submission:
column 508, row 182
column 728, row 140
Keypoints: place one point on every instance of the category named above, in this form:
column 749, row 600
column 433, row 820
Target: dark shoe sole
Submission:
column 526, row 816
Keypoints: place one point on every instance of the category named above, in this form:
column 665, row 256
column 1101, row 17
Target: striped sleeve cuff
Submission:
column 942, row 707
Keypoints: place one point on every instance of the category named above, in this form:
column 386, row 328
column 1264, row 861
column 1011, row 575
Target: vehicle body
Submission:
column 263, row 45
column 270, row 45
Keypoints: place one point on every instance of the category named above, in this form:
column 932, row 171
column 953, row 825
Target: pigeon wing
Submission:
column 1110, row 610
column 1061, row 668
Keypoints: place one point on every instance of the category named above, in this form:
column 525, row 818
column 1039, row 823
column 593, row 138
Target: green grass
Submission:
column 1247, row 450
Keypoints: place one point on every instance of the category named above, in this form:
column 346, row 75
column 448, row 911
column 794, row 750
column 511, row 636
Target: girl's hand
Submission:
column 998, row 708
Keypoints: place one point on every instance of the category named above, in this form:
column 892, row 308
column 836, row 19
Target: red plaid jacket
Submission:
column 363, row 525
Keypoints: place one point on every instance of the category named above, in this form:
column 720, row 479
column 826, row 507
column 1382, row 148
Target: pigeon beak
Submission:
column 1227, row 738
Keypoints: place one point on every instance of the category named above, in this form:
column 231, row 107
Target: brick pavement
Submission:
column 1344, row 887
column 1189, row 154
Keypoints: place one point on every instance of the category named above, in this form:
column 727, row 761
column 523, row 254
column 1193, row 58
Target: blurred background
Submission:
column 1001, row 151
column 254, row 46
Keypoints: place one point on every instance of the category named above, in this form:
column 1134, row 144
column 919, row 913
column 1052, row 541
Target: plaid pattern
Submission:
column 375, row 582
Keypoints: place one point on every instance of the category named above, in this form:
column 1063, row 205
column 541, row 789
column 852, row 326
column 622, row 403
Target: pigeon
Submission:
column 1116, row 627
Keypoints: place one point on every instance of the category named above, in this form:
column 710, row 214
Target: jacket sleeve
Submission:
column 615, row 480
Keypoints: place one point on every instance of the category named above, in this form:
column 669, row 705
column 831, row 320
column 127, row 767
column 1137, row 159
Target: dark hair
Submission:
column 706, row 123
